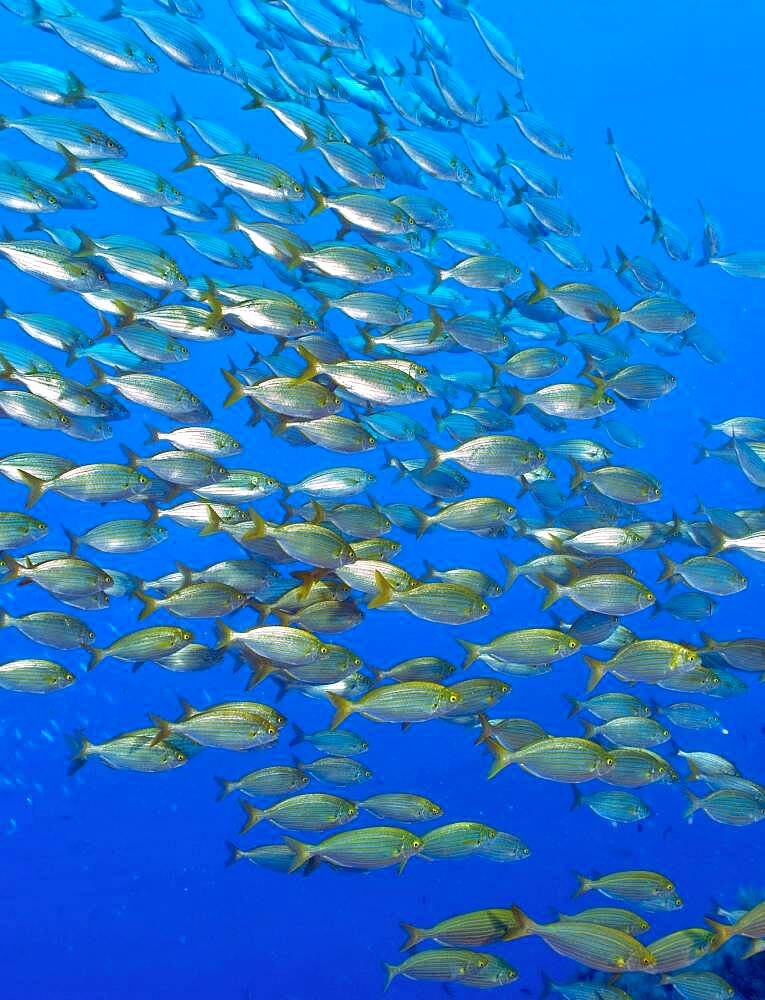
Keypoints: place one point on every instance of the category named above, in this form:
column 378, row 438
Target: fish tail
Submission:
column 302, row 852
column 225, row 635
column 708, row 642
column 578, row 478
column 668, row 568
column 256, row 99
column 577, row 798
column 309, row 142
column 707, row 425
column 5, row 618
column 343, row 708
column 576, row 706
column 384, row 593
column 192, row 158
column 472, row 652
column 623, row 260
column 511, row 572
column 551, row 589
column 423, row 523
column 609, row 137
column 254, row 816
column 694, row 803
column 523, row 926
column 501, row 160
column 517, row 399
column 589, row 729
column 234, row 854
column 87, row 247
column 224, row 788
column 311, row 365
column 701, row 453
column 504, row 107
column 435, row 457
column 723, row 932
column 114, row 12
column 171, row 229
column 612, row 313
column 232, row 221
column 71, row 163
column 163, row 729
column 153, row 434
column 79, row 746
column 96, row 655
column 235, row 386
column 213, row 523
column 502, row 757
column 73, row 541
column 585, row 884
column 541, row 290
column 319, row 201
column 597, row 669
column 752, row 950
column 413, row 935
column 547, row 985
column 718, row 541
column 148, row 604
column 299, row 736
column 391, row 971
column 35, row 488
column 486, row 730
column 381, row 132
column 258, row 528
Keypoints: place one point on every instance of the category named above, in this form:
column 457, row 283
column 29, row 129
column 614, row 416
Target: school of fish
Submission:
column 508, row 403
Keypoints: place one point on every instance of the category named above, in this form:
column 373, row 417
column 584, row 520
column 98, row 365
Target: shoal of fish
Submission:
column 402, row 308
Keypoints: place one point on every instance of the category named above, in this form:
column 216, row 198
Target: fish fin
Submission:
column 472, row 652
column 192, row 158
column 256, row 99
column 148, row 604
column 435, row 457
column 423, row 523
column 35, row 488
column 385, row 592
column 213, row 523
column 234, row 854
column 254, row 816
column 225, row 788
column 579, row 476
column 597, row 668
column 153, row 434
column 343, row 708
column 523, row 927
column 589, row 729
column 413, row 935
column 236, row 389
column 486, row 730
column 79, row 746
column 502, row 757
column 576, row 706
column 71, row 163
column 311, row 368
column 541, row 291
column 96, row 655
column 73, row 541
column 723, row 932
column 299, row 736
column 584, row 884
column 551, row 589
column 319, row 201
column 668, row 568
column 187, row 709
column 612, row 313
column 225, row 635
column 694, row 803
column 163, row 729
column 381, row 133
column 301, row 851
column 511, row 572
column 391, row 971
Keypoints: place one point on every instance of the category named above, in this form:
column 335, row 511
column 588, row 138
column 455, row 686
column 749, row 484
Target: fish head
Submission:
column 604, row 764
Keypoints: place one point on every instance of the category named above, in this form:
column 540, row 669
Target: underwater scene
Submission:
column 381, row 518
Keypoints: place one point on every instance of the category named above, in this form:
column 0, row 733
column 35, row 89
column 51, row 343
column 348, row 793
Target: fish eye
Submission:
column 609, row 761
column 180, row 756
column 143, row 480
column 608, row 400
column 420, row 387
column 356, row 661
column 484, row 607
column 540, row 455
column 108, row 580
column 110, row 143
column 63, row 420
column 187, row 636
column 453, row 698
column 52, row 200
column 416, row 844
column 572, row 643
column 650, row 596
column 388, row 269
column 101, row 276
column 657, row 491
column 323, row 650
column 646, row 960
column 174, row 191
column 297, row 188
column 149, row 58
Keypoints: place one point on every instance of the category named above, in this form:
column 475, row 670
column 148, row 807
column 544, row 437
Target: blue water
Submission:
column 114, row 883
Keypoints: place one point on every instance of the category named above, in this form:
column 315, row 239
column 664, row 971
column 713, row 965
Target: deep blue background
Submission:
column 114, row 884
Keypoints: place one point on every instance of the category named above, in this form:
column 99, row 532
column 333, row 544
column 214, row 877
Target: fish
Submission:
column 438, row 965
column 34, row 676
column 310, row 811
column 367, row 849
